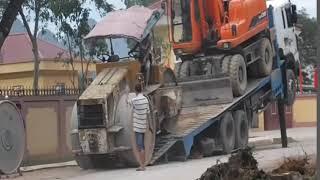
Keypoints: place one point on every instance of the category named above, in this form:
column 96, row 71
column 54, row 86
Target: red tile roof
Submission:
column 18, row 48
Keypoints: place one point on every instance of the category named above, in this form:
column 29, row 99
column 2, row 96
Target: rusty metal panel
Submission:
column 133, row 66
column 93, row 141
column 106, row 82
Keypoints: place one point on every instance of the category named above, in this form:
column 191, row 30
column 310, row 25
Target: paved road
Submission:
column 268, row 157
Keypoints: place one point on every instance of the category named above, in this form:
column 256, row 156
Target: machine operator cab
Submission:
column 121, row 40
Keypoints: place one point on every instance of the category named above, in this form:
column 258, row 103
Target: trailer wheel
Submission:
column 84, row 162
column 241, row 128
column 227, row 133
column 265, row 64
column 238, row 75
column 291, row 87
column 225, row 64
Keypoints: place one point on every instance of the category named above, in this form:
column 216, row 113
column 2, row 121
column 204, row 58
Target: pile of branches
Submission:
column 241, row 165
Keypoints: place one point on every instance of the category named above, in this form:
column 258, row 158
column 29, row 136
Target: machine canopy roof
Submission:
column 135, row 22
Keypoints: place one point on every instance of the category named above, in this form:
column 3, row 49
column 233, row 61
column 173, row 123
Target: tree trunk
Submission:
column 82, row 87
column 8, row 18
column 36, row 64
column 33, row 39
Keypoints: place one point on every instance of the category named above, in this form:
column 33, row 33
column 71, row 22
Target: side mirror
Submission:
column 163, row 4
column 294, row 18
column 294, row 14
column 173, row 14
column 294, row 8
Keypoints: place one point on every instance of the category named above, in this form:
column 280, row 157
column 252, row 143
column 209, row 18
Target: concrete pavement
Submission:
column 268, row 156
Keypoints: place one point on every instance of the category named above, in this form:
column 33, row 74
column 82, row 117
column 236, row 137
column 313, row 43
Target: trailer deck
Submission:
column 194, row 120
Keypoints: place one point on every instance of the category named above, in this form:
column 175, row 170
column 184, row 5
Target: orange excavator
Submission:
column 214, row 37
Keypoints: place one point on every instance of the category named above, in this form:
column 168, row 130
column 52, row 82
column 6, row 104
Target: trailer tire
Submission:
column 227, row 133
column 241, row 129
column 291, row 87
column 84, row 162
column 225, row 64
column 265, row 64
column 238, row 75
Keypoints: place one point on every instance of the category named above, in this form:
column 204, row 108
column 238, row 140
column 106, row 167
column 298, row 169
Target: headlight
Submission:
column 227, row 45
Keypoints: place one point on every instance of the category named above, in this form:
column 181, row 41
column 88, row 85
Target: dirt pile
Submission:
column 302, row 165
column 241, row 165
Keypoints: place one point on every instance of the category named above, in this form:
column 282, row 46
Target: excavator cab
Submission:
column 185, row 25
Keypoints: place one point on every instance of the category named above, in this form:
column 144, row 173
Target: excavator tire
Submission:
column 241, row 129
column 227, row 133
column 265, row 64
column 238, row 75
column 186, row 69
column 225, row 64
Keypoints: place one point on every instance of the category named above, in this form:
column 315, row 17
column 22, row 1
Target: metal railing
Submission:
column 39, row 92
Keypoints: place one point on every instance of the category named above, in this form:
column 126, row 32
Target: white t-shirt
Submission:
column 140, row 111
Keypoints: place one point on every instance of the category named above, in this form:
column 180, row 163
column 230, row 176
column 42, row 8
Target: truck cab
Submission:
column 285, row 17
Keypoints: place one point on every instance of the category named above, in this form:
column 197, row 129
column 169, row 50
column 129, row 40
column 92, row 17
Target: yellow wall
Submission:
column 305, row 110
column 52, row 78
column 44, row 65
column 46, row 79
column 24, row 79
column 42, row 130
column 51, row 73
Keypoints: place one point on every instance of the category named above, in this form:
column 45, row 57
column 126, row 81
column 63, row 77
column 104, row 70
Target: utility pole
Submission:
column 318, row 92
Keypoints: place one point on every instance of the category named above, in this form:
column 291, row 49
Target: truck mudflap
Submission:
column 204, row 90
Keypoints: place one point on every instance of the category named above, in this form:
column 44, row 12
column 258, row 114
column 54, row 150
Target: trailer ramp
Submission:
column 193, row 120
column 163, row 144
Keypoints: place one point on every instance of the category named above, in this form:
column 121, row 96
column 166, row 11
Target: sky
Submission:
column 310, row 5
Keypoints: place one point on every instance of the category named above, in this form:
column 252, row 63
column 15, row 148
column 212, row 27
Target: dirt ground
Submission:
column 242, row 165
column 268, row 158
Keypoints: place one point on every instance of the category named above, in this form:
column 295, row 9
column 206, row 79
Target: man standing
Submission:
column 141, row 112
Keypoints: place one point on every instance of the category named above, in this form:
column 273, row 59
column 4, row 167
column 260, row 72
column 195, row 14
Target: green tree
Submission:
column 8, row 12
column 72, row 19
column 307, row 41
column 34, row 11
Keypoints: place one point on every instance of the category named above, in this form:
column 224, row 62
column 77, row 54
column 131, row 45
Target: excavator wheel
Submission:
column 265, row 64
column 12, row 138
column 238, row 75
column 186, row 69
column 225, row 64
column 241, row 129
column 227, row 133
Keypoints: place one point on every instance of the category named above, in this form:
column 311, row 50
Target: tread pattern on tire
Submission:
column 238, row 87
column 227, row 143
column 265, row 69
column 225, row 64
column 239, row 118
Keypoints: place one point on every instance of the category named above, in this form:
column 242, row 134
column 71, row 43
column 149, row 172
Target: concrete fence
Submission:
column 302, row 114
column 47, row 127
column 47, row 120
